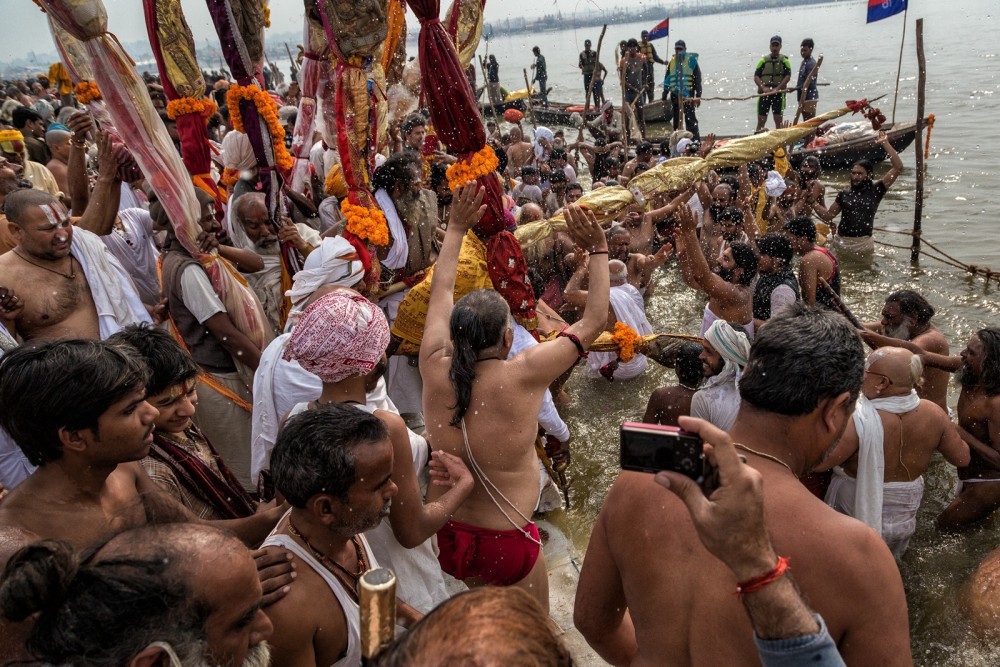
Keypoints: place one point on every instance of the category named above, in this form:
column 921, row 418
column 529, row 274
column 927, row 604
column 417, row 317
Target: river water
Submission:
column 961, row 208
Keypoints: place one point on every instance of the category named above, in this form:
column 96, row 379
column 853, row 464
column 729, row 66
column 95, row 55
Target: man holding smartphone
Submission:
column 645, row 557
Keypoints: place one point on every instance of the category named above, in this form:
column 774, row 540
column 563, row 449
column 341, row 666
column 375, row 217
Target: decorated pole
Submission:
column 918, row 208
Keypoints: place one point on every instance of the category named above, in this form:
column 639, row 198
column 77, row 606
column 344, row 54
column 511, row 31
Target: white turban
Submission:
column 237, row 153
column 733, row 345
column 774, row 186
column 682, row 145
column 542, row 132
column 334, row 262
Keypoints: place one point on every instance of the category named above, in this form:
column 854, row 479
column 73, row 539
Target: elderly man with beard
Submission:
column 906, row 323
column 252, row 229
column 411, row 213
column 878, row 465
column 178, row 594
column 334, row 465
column 725, row 355
column 857, row 206
column 728, row 287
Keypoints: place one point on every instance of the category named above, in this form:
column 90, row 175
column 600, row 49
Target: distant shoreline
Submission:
column 654, row 14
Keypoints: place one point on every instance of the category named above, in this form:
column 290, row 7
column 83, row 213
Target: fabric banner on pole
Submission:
column 883, row 9
column 661, row 30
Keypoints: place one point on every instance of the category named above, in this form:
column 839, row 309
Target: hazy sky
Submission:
column 28, row 29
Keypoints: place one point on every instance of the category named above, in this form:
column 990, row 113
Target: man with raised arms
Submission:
column 650, row 593
column 484, row 408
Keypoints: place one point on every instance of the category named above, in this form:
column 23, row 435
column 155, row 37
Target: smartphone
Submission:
column 652, row 448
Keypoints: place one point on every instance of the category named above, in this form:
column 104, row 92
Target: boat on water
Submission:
column 831, row 155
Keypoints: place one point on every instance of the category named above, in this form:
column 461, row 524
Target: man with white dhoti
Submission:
column 879, row 463
column 627, row 307
column 411, row 214
column 251, row 229
column 723, row 359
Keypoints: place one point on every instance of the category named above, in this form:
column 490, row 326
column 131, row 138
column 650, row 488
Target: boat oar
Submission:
column 804, row 90
column 842, row 308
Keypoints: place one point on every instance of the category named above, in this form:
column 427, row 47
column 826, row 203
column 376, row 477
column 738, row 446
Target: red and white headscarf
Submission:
column 341, row 335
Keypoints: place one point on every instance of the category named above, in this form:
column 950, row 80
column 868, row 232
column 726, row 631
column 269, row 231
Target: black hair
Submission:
column 314, row 452
column 632, row 43
column 989, row 376
column 803, row 355
column 167, row 361
column 478, row 321
column 574, row 186
column 528, row 169
column 558, row 176
column 746, row 259
column 866, row 165
column 911, row 303
column 557, row 154
column 801, row 227
column 808, row 42
column 397, row 169
column 412, row 121
column 17, row 203
column 438, row 175
column 688, row 364
column 643, row 147
column 537, row 283
column 97, row 611
column 731, row 214
column 777, row 246
column 46, row 387
column 21, row 116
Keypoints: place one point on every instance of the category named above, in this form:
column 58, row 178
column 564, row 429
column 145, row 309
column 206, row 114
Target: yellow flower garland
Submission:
column 366, row 223
column 267, row 14
column 335, row 184
column 483, row 162
column 87, row 92
column 185, row 105
column 268, row 110
column 626, row 339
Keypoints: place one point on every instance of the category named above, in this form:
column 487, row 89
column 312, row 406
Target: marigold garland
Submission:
column 366, row 223
column 185, row 105
column 267, row 14
column 626, row 339
column 482, row 163
column 87, row 92
column 229, row 177
column 268, row 110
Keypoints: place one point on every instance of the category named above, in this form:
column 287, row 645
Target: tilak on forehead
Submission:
column 55, row 212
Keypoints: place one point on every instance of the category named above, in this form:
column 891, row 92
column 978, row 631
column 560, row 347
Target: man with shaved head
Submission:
column 886, row 448
column 58, row 142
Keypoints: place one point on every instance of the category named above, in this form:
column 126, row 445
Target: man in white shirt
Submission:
column 725, row 355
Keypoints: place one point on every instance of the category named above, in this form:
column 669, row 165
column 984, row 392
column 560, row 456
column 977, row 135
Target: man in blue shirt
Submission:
column 809, row 96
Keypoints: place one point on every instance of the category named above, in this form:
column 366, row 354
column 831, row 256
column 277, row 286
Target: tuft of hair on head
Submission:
column 617, row 271
column 916, row 370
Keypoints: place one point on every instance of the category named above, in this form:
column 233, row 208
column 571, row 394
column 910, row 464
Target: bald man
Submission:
column 58, row 143
column 881, row 459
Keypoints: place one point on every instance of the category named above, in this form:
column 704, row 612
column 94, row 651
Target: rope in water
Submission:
column 986, row 272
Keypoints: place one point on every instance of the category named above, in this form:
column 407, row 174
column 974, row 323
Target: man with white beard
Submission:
column 906, row 316
column 179, row 594
column 251, row 229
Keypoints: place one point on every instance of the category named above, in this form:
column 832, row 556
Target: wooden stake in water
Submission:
column 899, row 67
column 378, row 611
column 531, row 109
column 918, row 208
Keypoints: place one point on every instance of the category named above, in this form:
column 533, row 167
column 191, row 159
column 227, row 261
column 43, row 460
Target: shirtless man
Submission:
column 488, row 413
column 816, row 262
column 979, row 425
column 519, row 152
column 891, row 425
column 650, row 594
column 58, row 143
column 57, row 295
column 87, row 434
column 667, row 404
column 728, row 288
column 906, row 316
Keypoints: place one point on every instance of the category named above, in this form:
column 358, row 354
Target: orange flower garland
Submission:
column 185, row 105
column 366, row 223
column 87, row 92
column 483, row 162
column 626, row 339
column 268, row 111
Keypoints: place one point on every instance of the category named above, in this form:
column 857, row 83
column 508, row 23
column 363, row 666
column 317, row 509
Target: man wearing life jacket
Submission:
column 684, row 75
column 772, row 73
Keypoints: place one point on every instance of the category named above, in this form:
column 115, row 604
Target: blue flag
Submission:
column 662, row 29
column 883, row 9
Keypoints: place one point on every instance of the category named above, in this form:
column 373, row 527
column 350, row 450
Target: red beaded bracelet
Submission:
column 757, row 583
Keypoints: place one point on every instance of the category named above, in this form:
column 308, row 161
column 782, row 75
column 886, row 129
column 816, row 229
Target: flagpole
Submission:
column 899, row 67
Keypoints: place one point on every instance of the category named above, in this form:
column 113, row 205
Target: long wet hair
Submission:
column 478, row 321
column 990, row 375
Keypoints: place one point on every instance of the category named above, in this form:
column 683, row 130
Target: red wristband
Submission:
column 757, row 583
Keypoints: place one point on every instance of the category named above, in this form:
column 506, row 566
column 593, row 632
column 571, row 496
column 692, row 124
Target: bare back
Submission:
column 518, row 155
column 814, row 265
column 911, row 438
column 979, row 414
column 935, row 385
column 55, row 306
column 502, row 424
column 666, row 404
column 681, row 599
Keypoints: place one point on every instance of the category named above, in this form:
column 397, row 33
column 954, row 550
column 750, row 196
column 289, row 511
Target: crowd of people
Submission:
column 175, row 493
